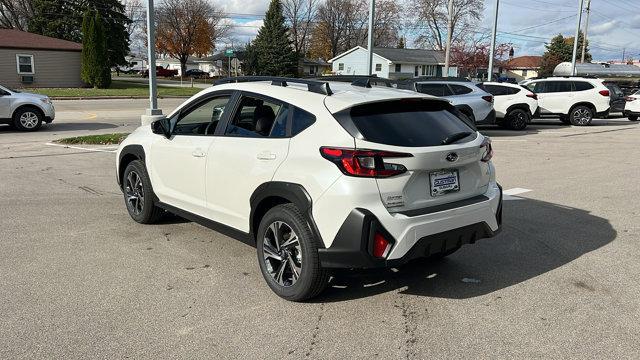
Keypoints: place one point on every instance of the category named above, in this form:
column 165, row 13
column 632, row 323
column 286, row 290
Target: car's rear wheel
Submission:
column 633, row 117
column 138, row 194
column 27, row 119
column 288, row 254
column 581, row 115
column 517, row 119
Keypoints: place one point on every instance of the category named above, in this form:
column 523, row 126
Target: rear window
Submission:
column 582, row 86
column 407, row 122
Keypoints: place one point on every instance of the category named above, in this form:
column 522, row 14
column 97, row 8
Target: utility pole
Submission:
column 624, row 50
column 575, row 39
column 586, row 29
column 152, row 113
column 447, row 53
column 493, row 43
column 372, row 9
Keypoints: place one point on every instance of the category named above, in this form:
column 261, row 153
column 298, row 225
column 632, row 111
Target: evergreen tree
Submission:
column 401, row 43
column 560, row 49
column 95, row 69
column 63, row 19
column 271, row 50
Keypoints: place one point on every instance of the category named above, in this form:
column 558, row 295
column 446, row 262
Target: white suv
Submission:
column 514, row 104
column 576, row 100
column 317, row 175
column 632, row 107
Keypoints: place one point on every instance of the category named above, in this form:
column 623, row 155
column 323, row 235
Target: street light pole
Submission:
column 152, row 113
column 575, row 39
column 447, row 52
column 586, row 29
column 372, row 9
column 493, row 43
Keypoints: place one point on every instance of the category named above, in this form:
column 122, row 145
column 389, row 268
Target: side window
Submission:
column 495, row 90
column 301, row 121
column 256, row 117
column 459, row 89
column 538, row 88
column 582, row 86
column 511, row 91
column 201, row 119
column 434, row 89
column 24, row 64
column 398, row 67
column 378, row 67
column 558, row 86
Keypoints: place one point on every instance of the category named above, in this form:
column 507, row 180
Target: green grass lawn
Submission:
column 118, row 88
column 104, row 139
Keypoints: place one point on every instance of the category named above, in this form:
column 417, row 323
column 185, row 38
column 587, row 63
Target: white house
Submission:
column 391, row 63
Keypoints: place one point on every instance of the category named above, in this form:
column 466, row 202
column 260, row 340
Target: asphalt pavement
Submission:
column 80, row 279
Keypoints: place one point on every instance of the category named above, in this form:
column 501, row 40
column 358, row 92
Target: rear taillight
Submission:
column 488, row 98
column 487, row 150
column 364, row 163
column 533, row 96
column 604, row 92
column 629, row 98
column 381, row 246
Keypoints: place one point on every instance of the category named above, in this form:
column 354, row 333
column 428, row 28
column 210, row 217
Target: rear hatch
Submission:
column 441, row 152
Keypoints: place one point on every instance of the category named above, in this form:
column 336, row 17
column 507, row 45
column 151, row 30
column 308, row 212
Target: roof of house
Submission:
column 524, row 62
column 16, row 39
column 412, row 56
column 318, row 62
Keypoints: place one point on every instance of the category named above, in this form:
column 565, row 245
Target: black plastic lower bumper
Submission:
column 489, row 120
column 48, row 119
column 631, row 113
column 352, row 247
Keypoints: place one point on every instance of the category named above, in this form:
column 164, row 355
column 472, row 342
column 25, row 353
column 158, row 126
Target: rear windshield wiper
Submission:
column 455, row 137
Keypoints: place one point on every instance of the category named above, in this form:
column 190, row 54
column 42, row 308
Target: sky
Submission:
column 528, row 24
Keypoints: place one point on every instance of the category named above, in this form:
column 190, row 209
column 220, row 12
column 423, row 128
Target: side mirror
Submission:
column 162, row 127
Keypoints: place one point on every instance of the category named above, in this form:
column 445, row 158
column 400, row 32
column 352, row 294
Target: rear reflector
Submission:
column 364, row 163
column 488, row 98
column 381, row 246
column 533, row 96
column 604, row 92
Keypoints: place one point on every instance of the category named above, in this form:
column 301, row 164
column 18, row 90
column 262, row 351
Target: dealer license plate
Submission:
column 444, row 182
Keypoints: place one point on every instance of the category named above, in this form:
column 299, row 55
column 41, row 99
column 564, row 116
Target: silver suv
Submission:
column 25, row 111
column 469, row 99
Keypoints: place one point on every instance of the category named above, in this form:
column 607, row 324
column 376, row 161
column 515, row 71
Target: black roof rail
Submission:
column 457, row 79
column 364, row 82
column 358, row 80
column 320, row 87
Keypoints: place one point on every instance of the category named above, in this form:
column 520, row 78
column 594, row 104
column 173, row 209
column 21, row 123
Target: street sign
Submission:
column 228, row 52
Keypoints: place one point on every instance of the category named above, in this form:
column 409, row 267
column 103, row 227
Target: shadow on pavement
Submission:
column 63, row 126
column 537, row 237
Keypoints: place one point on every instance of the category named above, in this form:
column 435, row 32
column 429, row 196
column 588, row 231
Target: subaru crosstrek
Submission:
column 317, row 175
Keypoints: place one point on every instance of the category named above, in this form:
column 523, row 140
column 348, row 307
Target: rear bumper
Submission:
column 631, row 113
column 489, row 120
column 353, row 244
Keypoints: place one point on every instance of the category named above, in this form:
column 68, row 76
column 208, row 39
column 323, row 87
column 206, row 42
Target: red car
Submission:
column 161, row 72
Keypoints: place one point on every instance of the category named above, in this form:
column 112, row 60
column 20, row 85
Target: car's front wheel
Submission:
column 288, row 254
column 27, row 119
column 517, row 119
column 138, row 194
column 581, row 116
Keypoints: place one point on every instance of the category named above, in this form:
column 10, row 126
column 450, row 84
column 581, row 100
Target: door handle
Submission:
column 266, row 155
column 198, row 153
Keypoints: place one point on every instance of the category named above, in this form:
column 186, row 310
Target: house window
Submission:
column 398, row 68
column 24, row 64
column 378, row 67
column 415, row 72
column 340, row 66
column 428, row 70
column 524, row 72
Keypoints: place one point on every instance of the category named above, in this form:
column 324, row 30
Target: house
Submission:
column 311, row 67
column 31, row 60
column 220, row 63
column 521, row 67
column 174, row 64
column 391, row 63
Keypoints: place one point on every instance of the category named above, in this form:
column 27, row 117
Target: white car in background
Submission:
column 514, row 104
column 25, row 111
column 576, row 100
column 632, row 107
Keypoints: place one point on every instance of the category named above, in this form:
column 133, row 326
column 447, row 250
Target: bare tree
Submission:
column 15, row 14
column 300, row 15
column 431, row 17
column 188, row 27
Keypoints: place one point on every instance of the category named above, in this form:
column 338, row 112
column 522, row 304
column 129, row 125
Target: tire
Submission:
column 633, row 117
column 565, row 119
column 138, row 194
column 28, row 119
column 581, row 115
column 517, row 119
column 292, row 270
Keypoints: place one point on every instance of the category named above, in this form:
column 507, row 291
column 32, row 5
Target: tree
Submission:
column 300, row 14
column 272, row 49
column 95, row 68
column 560, row 49
column 15, row 14
column 401, row 43
column 188, row 27
column 431, row 17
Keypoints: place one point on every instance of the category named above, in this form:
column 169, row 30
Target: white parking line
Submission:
column 510, row 193
column 107, row 150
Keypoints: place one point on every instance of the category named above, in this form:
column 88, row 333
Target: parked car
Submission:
column 576, row 100
column 318, row 175
column 632, row 107
column 514, row 104
column 25, row 111
column 161, row 72
column 363, row 79
column 617, row 98
column 196, row 73
column 472, row 101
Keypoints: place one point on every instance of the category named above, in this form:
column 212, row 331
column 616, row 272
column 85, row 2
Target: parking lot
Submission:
column 80, row 279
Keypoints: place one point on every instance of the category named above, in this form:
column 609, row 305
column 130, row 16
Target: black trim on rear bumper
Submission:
column 443, row 207
column 489, row 120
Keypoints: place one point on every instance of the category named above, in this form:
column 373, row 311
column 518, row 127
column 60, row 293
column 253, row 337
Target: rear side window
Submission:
column 558, row 86
column 434, row 89
column 459, row 89
column 301, row 121
column 406, row 122
column 582, row 86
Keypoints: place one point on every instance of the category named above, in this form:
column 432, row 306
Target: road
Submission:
column 80, row 279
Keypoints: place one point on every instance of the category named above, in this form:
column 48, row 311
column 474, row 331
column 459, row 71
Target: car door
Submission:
column 558, row 97
column 5, row 104
column 254, row 143
column 501, row 98
column 177, row 164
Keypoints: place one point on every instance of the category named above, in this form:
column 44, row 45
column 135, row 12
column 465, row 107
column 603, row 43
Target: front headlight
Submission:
column 46, row 100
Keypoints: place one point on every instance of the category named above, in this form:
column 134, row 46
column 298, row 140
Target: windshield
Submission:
column 8, row 89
